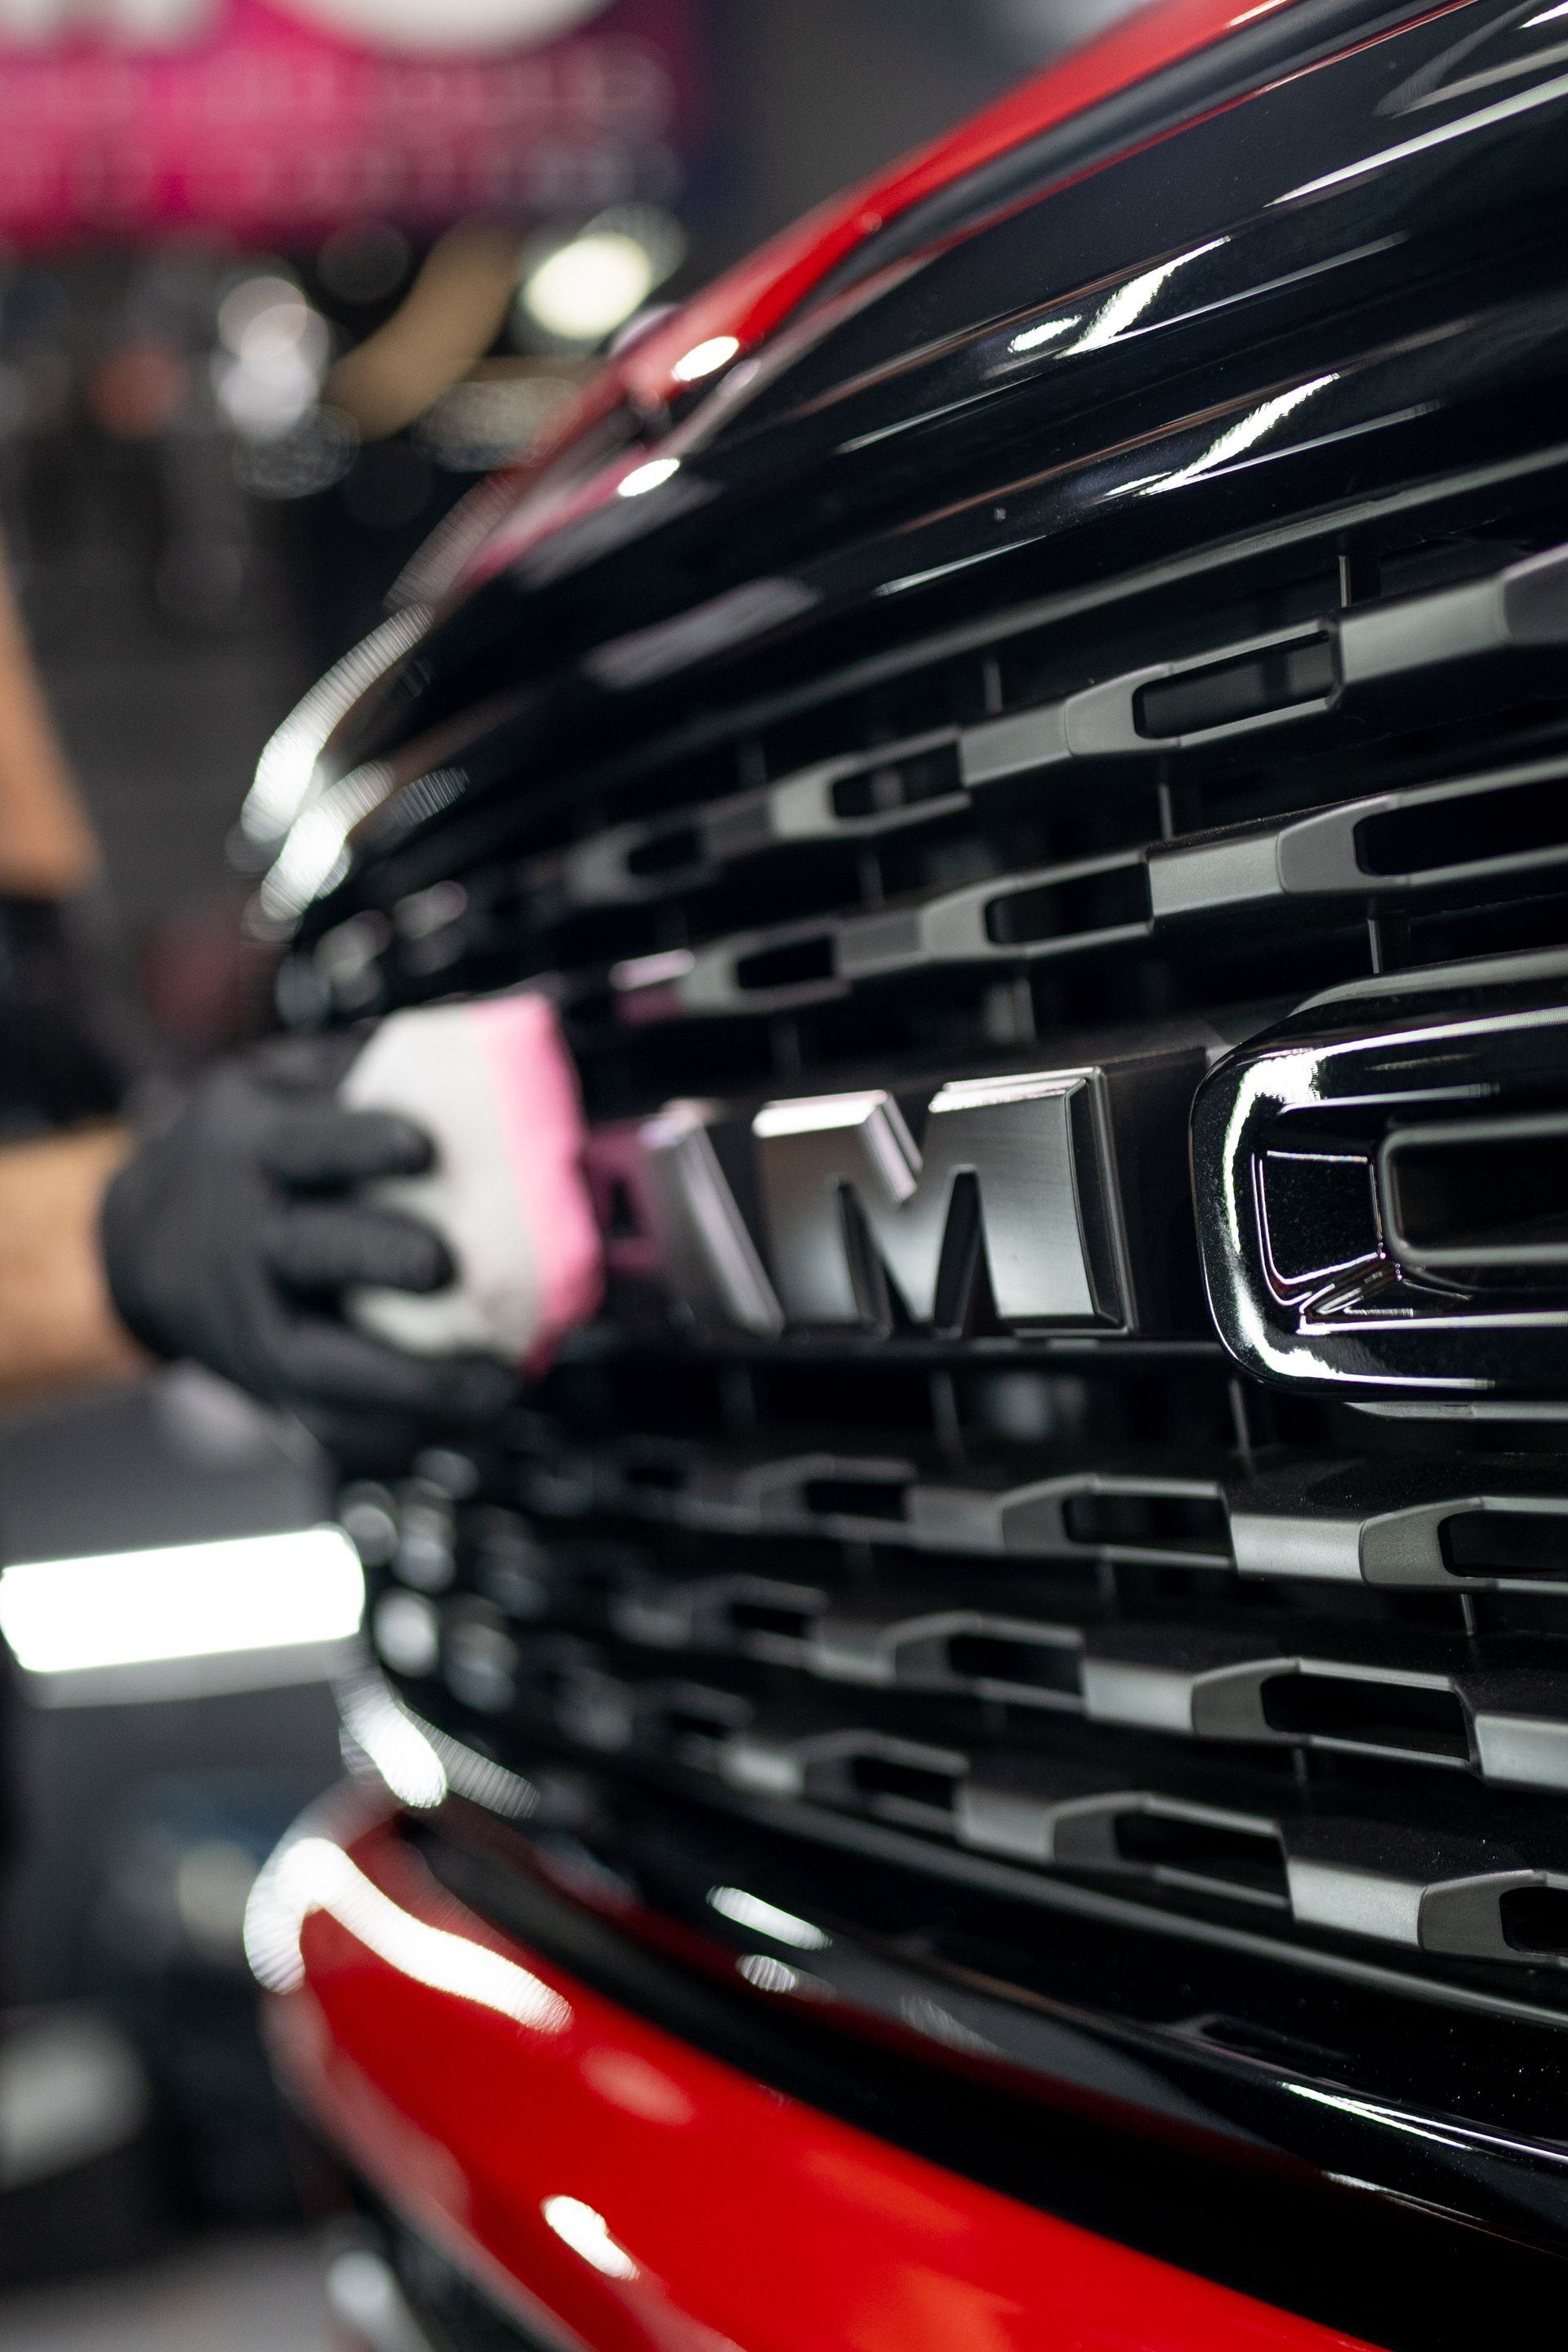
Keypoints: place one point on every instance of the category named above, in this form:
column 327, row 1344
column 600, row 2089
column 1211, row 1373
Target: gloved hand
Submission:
column 232, row 1233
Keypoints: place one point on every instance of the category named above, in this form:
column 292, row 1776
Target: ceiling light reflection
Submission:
column 589, row 2235
column 1046, row 332
column 1235, row 440
column 314, row 854
column 311, row 1874
column 704, row 358
column 643, row 478
column 768, row 1975
column 1129, row 302
column 403, row 1759
column 1485, row 118
column 762, row 1918
column 287, row 766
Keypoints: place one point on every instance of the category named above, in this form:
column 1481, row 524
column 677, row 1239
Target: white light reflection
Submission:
column 643, row 478
column 261, row 311
column 589, row 2235
column 311, row 1874
column 1046, row 332
column 277, row 350
column 1232, row 442
column 483, row 1782
column 1129, row 302
column 417, row 1762
column 1502, row 109
column 699, row 633
column 1372, row 2110
column 395, row 1747
column 1547, row 15
column 590, row 286
column 768, row 1975
column 182, row 1601
column 287, row 765
column 314, row 854
column 363, row 2292
column 762, row 1918
column 704, row 358
column 815, row 1114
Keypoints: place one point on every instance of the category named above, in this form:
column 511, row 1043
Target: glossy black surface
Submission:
column 1111, row 642
column 1404, row 315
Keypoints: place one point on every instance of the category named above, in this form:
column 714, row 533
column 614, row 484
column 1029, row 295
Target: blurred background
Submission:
column 279, row 284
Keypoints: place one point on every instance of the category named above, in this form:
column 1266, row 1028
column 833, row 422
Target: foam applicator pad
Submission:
column 492, row 1085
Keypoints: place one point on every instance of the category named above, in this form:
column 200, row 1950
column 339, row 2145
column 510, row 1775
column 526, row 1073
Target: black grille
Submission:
column 1086, row 1614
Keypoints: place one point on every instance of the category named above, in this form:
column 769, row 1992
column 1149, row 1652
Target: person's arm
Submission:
column 47, row 848
column 58, row 1329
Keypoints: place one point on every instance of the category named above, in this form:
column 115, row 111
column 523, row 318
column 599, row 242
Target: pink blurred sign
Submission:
column 272, row 123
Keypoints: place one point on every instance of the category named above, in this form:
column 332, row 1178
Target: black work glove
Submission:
column 232, row 1234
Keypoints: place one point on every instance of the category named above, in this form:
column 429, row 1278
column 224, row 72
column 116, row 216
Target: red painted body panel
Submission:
column 636, row 2196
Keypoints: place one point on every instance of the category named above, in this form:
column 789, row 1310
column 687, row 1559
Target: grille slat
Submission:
column 1022, row 770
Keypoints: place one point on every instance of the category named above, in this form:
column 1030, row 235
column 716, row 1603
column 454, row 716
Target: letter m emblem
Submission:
column 1013, row 1173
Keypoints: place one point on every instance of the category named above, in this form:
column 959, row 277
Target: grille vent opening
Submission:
column 904, row 783
column 1208, row 1851
column 1452, row 832
column 1506, row 1543
column 769, row 1617
column 666, row 853
column 998, row 1658
column 1498, row 1197
column 877, row 1778
column 1274, row 679
column 1058, row 911
column 802, row 962
column 854, row 1498
column 1535, row 1918
column 1380, row 1715
column 690, row 1723
column 1179, row 1522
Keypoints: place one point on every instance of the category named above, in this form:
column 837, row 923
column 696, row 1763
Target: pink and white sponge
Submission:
column 492, row 1083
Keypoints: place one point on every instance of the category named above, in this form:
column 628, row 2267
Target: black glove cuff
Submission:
column 120, row 1247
